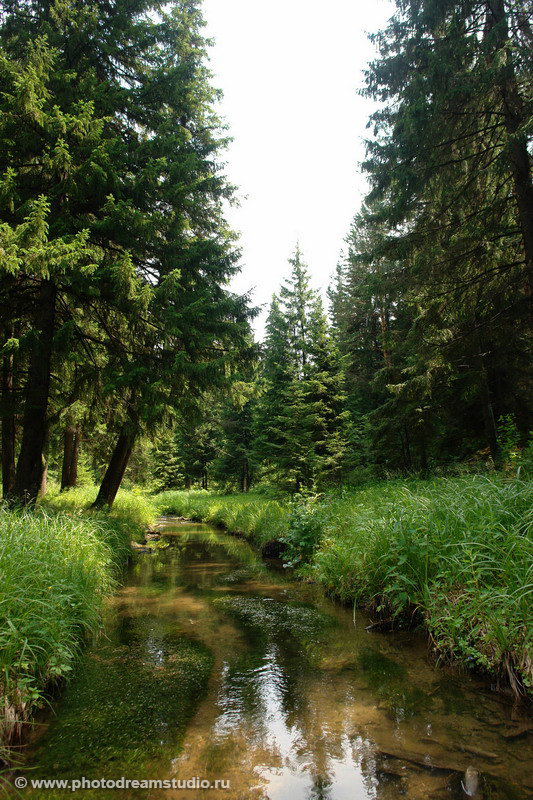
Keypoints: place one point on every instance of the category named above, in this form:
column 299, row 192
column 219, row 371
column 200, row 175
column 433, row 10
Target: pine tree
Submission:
column 326, row 399
column 296, row 297
column 275, row 444
column 451, row 204
column 235, row 463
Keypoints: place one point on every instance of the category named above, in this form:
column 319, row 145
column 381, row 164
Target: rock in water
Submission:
column 139, row 548
column 470, row 783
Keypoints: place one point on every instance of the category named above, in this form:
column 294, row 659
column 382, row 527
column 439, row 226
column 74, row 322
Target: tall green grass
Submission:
column 55, row 571
column 453, row 553
column 457, row 553
column 255, row 516
column 57, row 564
column 132, row 508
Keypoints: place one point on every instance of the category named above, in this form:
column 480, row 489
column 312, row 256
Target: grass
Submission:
column 455, row 553
column 57, row 564
column 132, row 507
column 256, row 516
column 452, row 553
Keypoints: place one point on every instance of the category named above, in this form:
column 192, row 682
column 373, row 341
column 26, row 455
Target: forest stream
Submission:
column 218, row 666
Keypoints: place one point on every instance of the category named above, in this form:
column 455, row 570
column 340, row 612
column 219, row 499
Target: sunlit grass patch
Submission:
column 132, row 507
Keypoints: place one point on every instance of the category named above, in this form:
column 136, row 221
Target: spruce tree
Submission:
column 301, row 424
column 451, row 206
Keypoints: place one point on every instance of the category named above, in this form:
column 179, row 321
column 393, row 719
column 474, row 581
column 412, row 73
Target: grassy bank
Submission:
column 57, row 564
column 132, row 509
column 453, row 554
column 255, row 515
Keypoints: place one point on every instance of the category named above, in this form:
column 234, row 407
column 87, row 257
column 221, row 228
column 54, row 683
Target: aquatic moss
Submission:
column 390, row 683
column 130, row 704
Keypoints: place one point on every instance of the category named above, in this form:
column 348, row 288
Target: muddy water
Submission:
column 217, row 667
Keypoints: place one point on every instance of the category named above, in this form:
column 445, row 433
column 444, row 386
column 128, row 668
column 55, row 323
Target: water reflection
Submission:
column 299, row 705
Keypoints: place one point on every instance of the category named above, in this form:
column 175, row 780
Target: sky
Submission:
column 289, row 71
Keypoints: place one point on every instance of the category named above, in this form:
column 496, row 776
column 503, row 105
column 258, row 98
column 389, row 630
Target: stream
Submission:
column 218, row 666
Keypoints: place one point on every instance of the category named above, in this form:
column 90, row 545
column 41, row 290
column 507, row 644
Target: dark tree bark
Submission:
column 8, row 422
column 35, row 423
column 116, row 469
column 384, row 325
column 71, row 447
column 407, row 448
column 245, row 476
column 424, row 465
column 44, row 477
column 489, row 419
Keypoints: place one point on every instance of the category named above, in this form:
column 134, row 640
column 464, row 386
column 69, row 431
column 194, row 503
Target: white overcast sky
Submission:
column 290, row 70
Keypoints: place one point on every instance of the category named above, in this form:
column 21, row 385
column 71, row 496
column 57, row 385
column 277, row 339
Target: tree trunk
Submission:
column 71, row 446
column 245, row 476
column 115, row 471
column 489, row 420
column 34, row 431
column 44, row 477
column 8, row 422
column 384, row 326
column 424, row 465
column 408, row 459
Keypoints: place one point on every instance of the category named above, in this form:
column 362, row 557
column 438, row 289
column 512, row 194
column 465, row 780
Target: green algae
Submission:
column 129, row 705
column 299, row 620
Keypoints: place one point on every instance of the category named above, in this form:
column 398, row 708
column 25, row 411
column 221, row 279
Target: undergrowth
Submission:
column 58, row 561
column 132, row 508
column 456, row 553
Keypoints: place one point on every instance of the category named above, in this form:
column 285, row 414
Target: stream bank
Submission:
column 216, row 665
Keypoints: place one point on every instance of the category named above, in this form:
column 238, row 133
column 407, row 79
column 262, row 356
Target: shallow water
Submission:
column 217, row 667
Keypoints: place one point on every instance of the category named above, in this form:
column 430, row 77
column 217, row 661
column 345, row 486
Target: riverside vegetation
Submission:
column 453, row 554
column 57, row 568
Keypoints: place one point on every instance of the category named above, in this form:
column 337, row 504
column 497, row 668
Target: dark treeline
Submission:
column 114, row 255
column 426, row 362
